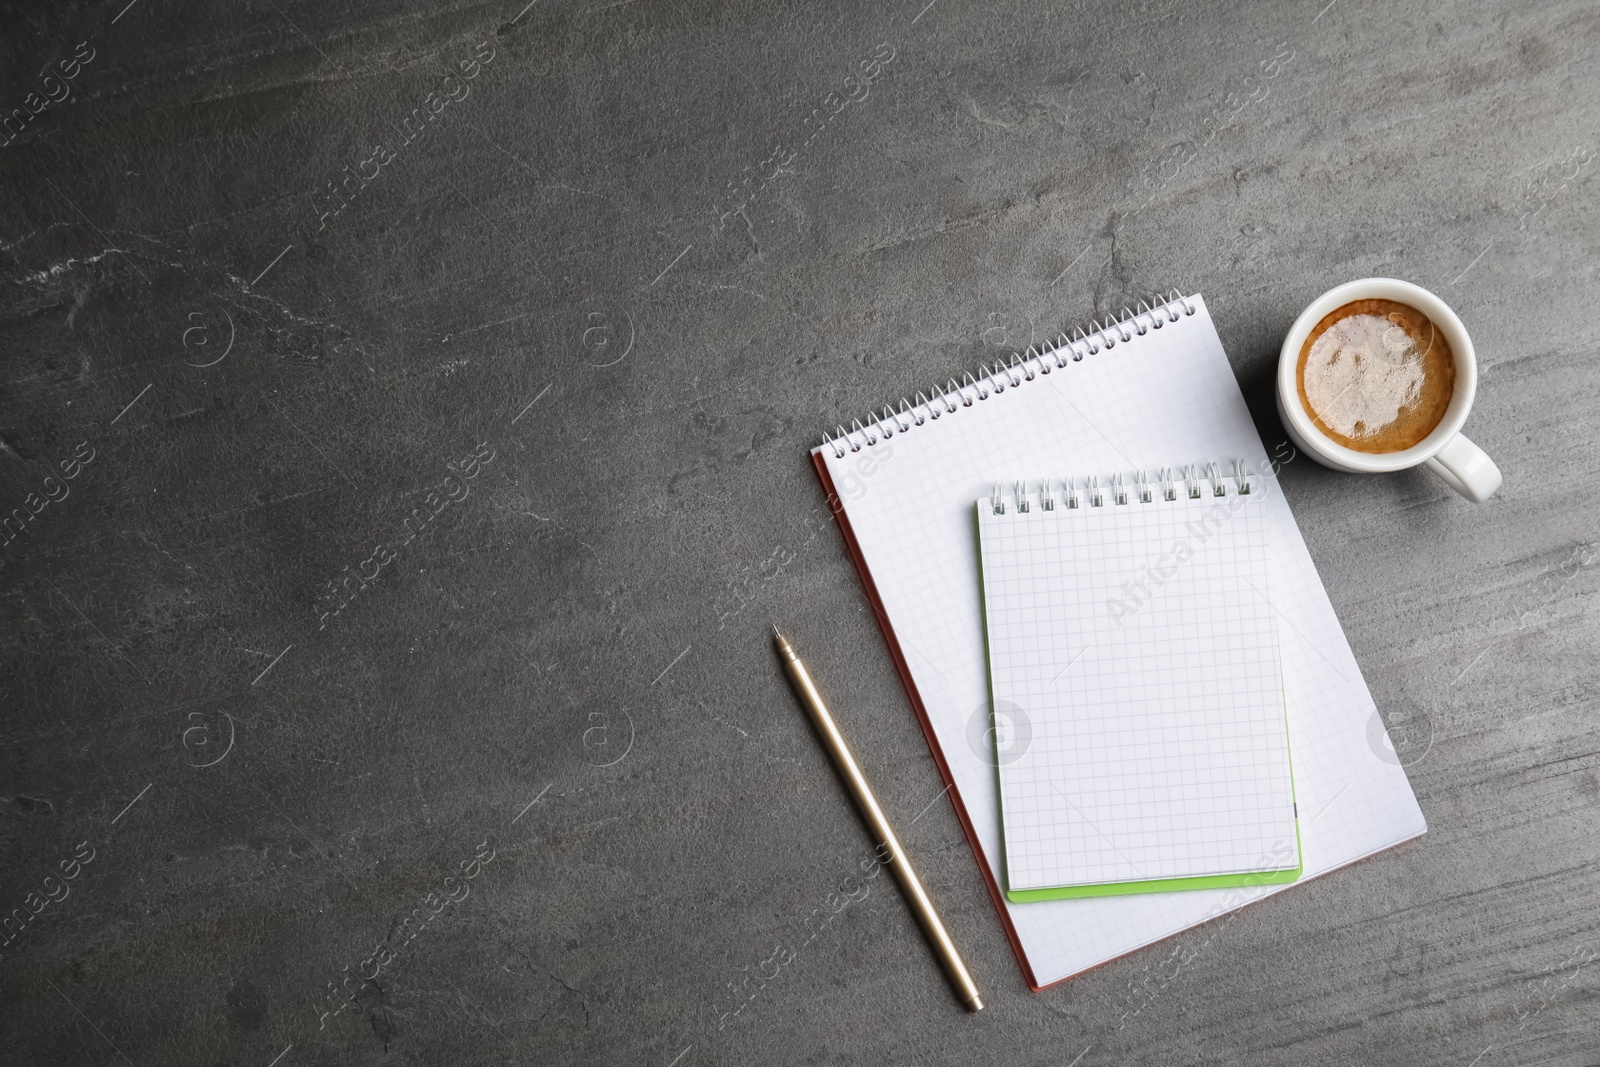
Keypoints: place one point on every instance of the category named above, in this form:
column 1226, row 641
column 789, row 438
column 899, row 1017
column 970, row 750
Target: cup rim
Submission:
column 1443, row 316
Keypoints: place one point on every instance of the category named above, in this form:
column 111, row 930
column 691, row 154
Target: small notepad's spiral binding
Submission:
column 1004, row 374
column 1195, row 483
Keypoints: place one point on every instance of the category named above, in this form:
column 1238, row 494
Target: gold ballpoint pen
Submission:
column 896, row 860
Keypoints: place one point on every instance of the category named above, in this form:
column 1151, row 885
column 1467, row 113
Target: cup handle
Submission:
column 1467, row 468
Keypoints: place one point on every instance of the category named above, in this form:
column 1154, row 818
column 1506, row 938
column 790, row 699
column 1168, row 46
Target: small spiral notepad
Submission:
column 1136, row 675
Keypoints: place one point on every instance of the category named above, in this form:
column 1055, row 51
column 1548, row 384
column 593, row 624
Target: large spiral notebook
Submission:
column 1141, row 736
column 1156, row 385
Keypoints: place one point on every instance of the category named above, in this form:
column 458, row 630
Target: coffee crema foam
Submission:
column 1376, row 375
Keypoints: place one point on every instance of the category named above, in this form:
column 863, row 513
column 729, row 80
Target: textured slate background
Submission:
column 568, row 668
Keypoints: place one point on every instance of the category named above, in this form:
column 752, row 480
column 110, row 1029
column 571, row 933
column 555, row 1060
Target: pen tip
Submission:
column 775, row 632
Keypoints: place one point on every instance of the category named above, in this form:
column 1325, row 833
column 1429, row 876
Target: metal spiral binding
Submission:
column 1144, row 488
column 1009, row 373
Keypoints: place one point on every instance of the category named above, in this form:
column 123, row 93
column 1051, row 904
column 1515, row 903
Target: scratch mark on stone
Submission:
column 674, row 263
column 131, row 803
column 669, row 666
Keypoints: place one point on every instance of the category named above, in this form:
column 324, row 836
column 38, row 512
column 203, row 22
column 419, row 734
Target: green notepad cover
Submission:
column 1151, row 885
column 1164, row 885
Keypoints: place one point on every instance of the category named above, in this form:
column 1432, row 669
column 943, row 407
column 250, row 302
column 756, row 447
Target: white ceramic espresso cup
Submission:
column 1465, row 466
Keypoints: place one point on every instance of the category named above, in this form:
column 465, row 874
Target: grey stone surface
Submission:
column 567, row 666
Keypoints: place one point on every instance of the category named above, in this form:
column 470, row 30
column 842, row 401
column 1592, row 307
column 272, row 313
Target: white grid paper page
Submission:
column 1146, row 682
column 1167, row 397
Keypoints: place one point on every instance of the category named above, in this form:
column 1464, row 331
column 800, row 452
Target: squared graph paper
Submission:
column 1169, row 397
column 1139, row 687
